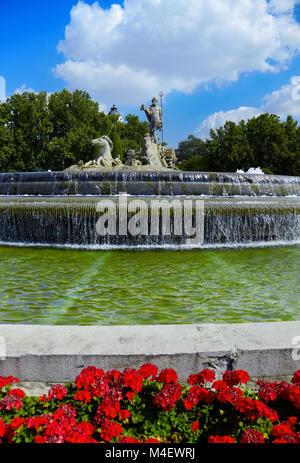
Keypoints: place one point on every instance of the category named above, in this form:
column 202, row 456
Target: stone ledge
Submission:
column 56, row 354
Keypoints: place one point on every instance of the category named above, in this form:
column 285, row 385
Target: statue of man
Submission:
column 154, row 117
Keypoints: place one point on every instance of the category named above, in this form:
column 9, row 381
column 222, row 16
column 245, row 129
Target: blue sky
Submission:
column 216, row 60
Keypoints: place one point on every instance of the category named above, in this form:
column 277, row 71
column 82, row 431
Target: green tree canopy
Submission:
column 38, row 132
column 262, row 141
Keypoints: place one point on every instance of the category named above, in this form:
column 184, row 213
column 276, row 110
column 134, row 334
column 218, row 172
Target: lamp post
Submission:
column 162, row 131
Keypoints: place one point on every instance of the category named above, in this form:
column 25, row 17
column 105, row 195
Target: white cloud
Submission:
column 23, row 89
column 125, row 54
column 2, row 89
column 282, row 6
column 282, row 102
column 214, row 121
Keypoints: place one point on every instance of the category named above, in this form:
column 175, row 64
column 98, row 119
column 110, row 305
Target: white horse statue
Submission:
column 103, row 159
column 105, row 145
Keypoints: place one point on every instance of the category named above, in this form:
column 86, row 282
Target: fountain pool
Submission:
column 149, row 286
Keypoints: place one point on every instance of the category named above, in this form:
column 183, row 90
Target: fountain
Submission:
column 61, row 207
column 105, row 286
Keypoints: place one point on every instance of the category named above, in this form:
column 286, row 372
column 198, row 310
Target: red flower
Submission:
column 218, row 385
column 193, row 379
column 2, row 428
column 168, row 396
column 40, row 440
column 130, row 395
column 197, row 394
column 233, row 378
column 85, row 428
column 273, row 391
column 129, row 440
column 4, row 381
column 151, row 440
column 282, row 430
column 294, row 395
column 167, row 376
column 38, row 421
column 296, row 377
column 195, row 426
column 112, row 377
column 132, row 379
column 124, row 414
column 264, row 411
column 57, row 392
column 111, row 404
column 17, row 422
column 148, row 370
column 251, row 436
column 17, row 392
column 110, row 429
column 12, row 400
column 88, row 378
column 83, row 396
column 221, row 440
column 202, row 377
column 207, row 375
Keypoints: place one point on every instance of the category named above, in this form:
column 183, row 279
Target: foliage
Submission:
column 38, row 132
column 117, row 149
column 146, row 406
column 262, row 141
column 190, row 148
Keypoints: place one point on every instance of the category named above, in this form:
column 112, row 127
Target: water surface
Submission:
column 114, row 287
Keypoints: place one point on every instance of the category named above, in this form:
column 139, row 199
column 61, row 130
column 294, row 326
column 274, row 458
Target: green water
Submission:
column 60, row 286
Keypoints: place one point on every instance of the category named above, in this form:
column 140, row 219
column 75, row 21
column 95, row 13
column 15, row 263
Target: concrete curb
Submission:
column 58, row 353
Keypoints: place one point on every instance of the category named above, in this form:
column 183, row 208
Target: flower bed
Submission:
column 145, row 405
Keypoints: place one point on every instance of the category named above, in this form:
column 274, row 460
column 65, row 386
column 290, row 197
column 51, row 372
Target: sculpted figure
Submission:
column 104, row 157
column 154, row 117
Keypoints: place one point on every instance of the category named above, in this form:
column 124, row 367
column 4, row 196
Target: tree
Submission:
column 41, row 133
column 228, row 148
column 193, row 146
column 117, row 149
column 76, row 121
column 29, row 125
column 262, row 141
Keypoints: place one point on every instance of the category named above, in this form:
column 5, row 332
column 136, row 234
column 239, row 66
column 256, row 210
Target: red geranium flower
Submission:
column 195, row 426
column 233, row 378
column 17, row 422
column 124, row 414
column 132, row 379
column 5, row 380
column 129, row 440
column 221, row 440
column 110, row 429
column 206, row 375
column 148, row 370
column 251, row 436
column 130, row 395
column 296, row 377
column 167, row 376
column 168, row 396
column 83, row 396
column 12, row 400
column 2, row 428
column 57, row 392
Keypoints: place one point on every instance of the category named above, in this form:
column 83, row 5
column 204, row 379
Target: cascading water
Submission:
column 60, row 208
